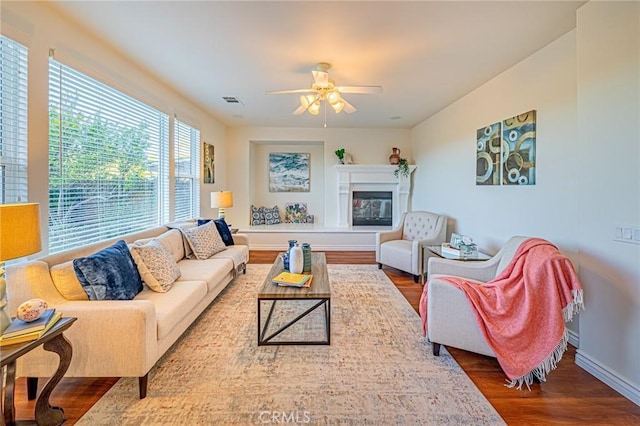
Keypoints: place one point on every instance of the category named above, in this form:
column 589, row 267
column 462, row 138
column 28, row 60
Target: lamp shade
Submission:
column 19, row 230
column 221, row 199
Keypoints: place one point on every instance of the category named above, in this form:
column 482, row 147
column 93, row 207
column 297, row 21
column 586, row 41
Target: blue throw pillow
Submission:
column 223, row 229
column 110, row 274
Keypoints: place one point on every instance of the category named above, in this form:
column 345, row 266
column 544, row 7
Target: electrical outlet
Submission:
column 627, row 234
column 618, row 232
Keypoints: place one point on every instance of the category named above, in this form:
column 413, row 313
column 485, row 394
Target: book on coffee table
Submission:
column 290, row 279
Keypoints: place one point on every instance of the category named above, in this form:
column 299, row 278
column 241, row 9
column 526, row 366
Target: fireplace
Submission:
column 371, row 178
column 372, row 208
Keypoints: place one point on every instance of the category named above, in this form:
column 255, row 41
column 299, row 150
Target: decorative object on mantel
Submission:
column 402, row 169
column 506, row 151
column 395, row 157
column 340, row 154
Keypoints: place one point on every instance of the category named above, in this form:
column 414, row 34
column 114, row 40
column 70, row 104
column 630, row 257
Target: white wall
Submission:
column 247, row 178
column 608, row 40
column 585, row 88
column 40, row 28
column 445, row 150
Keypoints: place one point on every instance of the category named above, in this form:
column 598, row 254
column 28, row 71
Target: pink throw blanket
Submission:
column 522, row 312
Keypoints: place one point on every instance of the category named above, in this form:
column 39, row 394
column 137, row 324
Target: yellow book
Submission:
column 289, row 278
column 23, row 338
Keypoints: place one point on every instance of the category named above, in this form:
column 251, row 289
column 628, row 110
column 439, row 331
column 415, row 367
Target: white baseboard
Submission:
column 611, row 378
column 574, row 338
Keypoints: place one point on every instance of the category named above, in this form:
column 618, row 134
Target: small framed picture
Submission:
column 208, row 169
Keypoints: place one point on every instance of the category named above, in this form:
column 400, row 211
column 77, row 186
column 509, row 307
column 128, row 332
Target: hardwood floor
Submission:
column 570, row 395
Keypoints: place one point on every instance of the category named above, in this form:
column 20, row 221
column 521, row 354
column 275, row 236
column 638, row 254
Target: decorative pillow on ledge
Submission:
column 257, row 215
column 205, row 241
column 156, row 265
column 109, row 274
column 271, row 216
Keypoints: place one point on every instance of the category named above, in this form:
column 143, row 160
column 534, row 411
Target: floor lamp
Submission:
column 19, row 237
column 221, row 200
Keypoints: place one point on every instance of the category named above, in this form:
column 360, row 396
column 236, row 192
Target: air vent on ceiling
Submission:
column 231, row 100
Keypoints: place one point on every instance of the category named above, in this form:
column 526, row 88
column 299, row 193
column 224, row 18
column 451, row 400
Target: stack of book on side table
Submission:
column 290, row 279
column 21, row 331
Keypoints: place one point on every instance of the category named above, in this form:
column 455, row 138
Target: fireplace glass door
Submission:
column 372, row 208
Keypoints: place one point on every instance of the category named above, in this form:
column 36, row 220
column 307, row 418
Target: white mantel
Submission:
column 370, row 177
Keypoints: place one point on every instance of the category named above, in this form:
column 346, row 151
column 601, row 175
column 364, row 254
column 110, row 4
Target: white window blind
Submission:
column 108, row 161
column 187, row 175
column 13, row 121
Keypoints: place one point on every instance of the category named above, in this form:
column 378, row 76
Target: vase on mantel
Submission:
column 394, row 158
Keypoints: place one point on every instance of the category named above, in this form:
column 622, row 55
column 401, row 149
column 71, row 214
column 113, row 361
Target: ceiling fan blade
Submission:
column 348, row 108
column 300, row 110
column 360, row 89
column 280, row 92
column 320, row 77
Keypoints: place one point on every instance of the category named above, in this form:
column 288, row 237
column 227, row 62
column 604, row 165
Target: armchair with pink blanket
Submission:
column 512, row 307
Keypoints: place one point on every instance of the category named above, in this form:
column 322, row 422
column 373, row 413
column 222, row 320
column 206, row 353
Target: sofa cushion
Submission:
column 156, row 265
column 172, row 307
column 212, row 271
column 204, row 240
column 109, row 274
column 172, row 240
column 66, row 281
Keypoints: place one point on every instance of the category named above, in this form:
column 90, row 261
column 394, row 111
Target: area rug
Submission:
column 378, row 369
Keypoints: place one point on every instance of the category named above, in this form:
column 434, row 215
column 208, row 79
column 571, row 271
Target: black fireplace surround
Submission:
column 372, row 208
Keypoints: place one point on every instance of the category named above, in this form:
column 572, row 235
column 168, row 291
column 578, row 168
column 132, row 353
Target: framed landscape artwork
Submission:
column 289, row 172
column 208, row 169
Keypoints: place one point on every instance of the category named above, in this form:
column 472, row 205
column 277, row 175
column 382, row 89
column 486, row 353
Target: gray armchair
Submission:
column 450, row 319
column 400, row 248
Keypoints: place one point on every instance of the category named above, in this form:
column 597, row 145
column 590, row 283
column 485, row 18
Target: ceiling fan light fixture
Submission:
column 337, row 106
column 314, row 108
column 333, row 97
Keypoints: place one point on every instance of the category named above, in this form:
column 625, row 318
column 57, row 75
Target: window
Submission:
column 13, row 121
column 187, row 171
column 108, row 161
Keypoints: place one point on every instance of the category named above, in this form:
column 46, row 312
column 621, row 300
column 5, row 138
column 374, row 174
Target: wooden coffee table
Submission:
column 319, row 293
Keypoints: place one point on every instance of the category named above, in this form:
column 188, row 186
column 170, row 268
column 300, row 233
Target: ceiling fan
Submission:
column 324, row 89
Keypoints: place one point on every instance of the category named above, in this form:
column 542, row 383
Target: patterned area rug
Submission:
column 378, row 369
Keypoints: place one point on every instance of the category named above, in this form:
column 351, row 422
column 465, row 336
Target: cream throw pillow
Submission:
column 205, row 240
column 66, row 281
column 156, row 265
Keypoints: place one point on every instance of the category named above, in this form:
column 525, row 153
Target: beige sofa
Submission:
column 122, row 338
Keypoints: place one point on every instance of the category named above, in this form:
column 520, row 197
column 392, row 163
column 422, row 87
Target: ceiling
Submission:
column 426, row 54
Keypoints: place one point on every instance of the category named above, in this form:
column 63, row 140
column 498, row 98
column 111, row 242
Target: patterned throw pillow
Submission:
column 204, row 240
column 156, row 265
column 257, row 215
column 223, row 229
column 271, row 216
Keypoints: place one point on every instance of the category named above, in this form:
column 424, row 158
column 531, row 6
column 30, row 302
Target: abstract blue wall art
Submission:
column 289, row 172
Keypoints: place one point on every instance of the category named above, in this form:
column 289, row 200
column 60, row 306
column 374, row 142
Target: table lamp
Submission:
column 19, row 236
column 221, row 200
